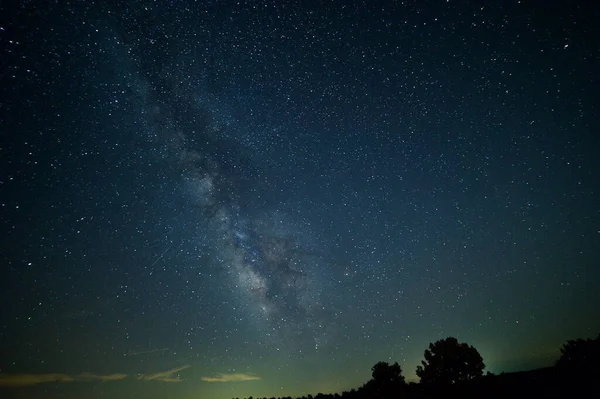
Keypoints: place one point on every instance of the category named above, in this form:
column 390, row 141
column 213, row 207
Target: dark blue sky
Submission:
column 221, row 199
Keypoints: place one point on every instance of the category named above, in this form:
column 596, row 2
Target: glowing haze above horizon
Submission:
column 215, row 199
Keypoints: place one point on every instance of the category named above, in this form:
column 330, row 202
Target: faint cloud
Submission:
column 222, row 377
column 165, row 376
column 99, row 377
column 23, row 380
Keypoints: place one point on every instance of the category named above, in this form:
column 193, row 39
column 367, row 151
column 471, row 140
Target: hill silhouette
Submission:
column 452, row 369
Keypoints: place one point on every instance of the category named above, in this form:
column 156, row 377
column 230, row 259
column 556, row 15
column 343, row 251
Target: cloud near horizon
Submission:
column 96, row 377
column 164, row 376
column 28, row 379
column 23, row 380
column 223, row 377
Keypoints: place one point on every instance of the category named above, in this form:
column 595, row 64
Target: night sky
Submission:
column 215, row 199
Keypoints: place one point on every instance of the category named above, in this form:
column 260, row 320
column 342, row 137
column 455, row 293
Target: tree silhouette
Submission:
column 447, row 362
column 580, row 356
column 387, row 381
column 385, row 373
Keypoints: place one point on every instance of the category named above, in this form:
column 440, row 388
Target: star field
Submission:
column 216, row 199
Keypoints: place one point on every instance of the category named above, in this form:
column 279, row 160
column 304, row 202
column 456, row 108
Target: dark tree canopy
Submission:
column 447, row 362
column 580, row 355
column 385, row 373
column 387, row 381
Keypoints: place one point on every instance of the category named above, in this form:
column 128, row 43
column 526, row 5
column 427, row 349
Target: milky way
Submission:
column 273, row 260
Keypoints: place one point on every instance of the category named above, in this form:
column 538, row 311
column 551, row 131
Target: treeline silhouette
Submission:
column 453, row 369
